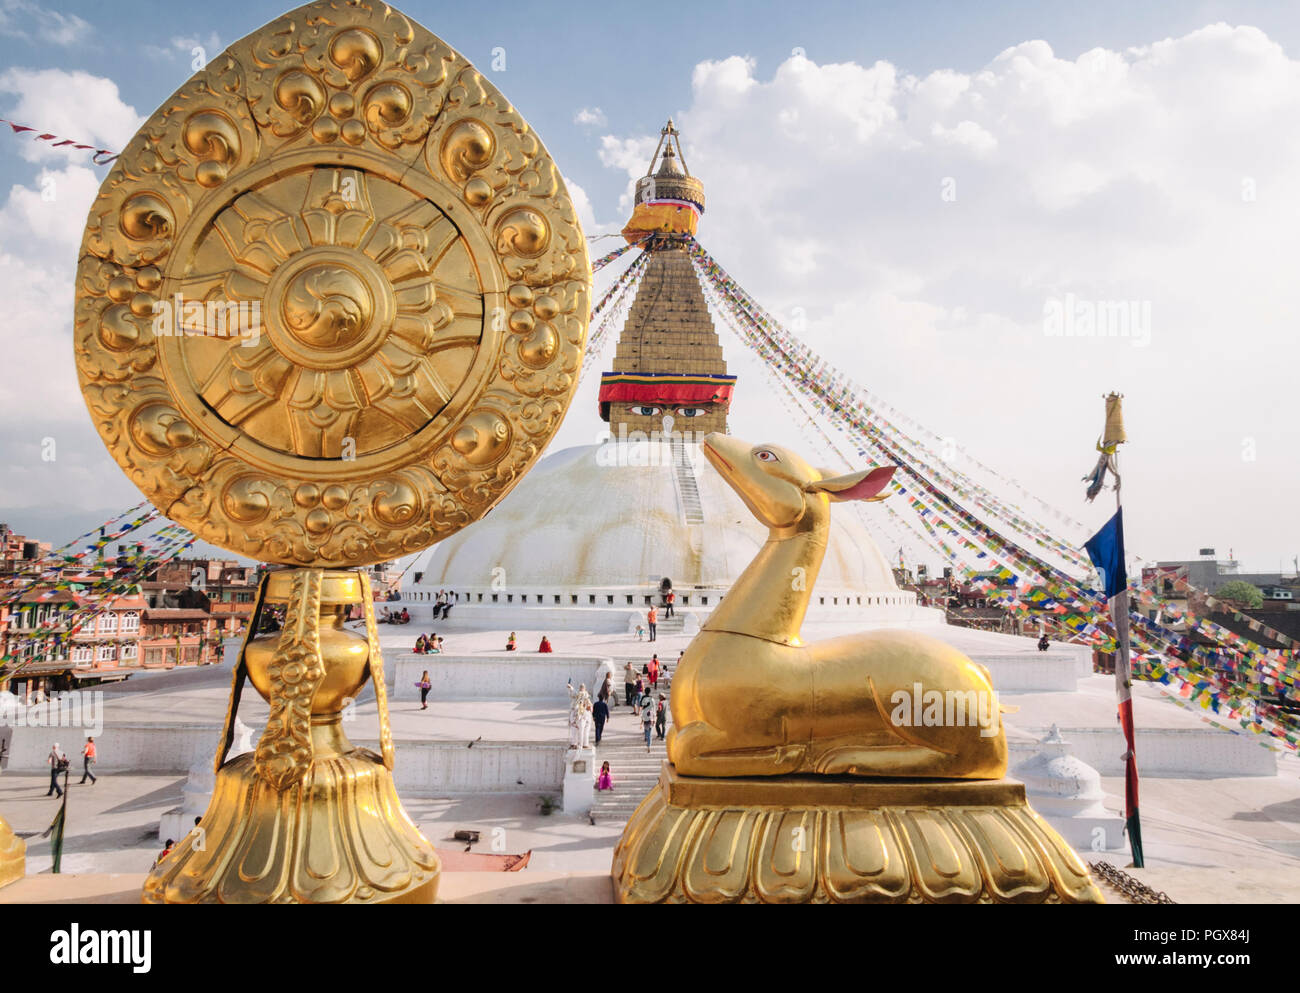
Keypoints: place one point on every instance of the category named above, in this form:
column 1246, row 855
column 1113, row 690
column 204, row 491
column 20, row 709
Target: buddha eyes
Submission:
column 765, row 456
column 692, row 411
column 646, row 411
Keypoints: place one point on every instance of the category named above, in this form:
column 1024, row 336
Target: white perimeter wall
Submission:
column 423, row 767
column 1173, row 753
column 508, row 676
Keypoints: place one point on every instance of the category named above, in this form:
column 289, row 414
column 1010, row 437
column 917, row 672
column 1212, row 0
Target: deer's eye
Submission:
column 765, row 456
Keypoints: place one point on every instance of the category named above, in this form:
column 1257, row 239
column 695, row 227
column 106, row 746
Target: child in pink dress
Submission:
column 603, row 781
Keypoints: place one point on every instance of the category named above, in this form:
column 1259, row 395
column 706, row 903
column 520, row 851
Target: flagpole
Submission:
column 1112, row 438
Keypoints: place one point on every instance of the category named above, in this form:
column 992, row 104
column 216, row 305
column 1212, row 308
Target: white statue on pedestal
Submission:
column 580, row 720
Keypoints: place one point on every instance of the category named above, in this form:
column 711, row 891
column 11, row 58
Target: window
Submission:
column 130, row 622
column 591, row 598
column 609, row 599
column 128, row 653
column 82, row 654
column 106, row 653
column 107, row 622
column 629, row 599
column 155, row 656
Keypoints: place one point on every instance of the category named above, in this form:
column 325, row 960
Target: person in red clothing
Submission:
column 654, row 672
column 88, row 753
column 545, row 646
column 651, row 619
column 669, row 599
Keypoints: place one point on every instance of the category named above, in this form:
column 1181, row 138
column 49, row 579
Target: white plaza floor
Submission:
column 1237, row 834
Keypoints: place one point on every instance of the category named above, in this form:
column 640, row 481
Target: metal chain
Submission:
column 1133, row 890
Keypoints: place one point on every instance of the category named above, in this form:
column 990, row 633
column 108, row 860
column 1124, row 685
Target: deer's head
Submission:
column 778, row 486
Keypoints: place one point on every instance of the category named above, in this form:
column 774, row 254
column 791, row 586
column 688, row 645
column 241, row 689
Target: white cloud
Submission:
column 41, row 223
column 74, row 105
column 590, row 117
column 30, row 21
column 190, row 47
column 968, row 135
column 1115, row 176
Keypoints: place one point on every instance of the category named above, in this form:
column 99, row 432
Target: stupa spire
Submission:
column 668, row 363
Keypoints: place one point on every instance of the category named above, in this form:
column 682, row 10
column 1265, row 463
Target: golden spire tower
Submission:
column 668, row 363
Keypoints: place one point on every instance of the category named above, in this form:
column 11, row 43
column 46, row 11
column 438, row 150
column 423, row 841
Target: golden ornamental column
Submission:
column 332, row 304
column 13, row 855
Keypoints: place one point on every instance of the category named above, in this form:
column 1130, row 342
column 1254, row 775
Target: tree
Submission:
column 1240, row 592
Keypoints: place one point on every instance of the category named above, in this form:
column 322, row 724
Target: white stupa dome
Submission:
column 622, row 515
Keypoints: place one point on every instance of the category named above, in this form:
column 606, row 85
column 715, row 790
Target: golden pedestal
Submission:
column 13, row 855
column 306, row 818
column 823, row 839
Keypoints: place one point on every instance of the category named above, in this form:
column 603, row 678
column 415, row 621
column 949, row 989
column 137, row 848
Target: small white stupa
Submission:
column 1067, row 791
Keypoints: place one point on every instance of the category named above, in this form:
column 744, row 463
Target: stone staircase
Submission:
column 687, row 488
column 634, row 771
column 669, row 625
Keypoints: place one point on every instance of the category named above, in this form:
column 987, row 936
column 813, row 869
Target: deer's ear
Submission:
column 865, row 485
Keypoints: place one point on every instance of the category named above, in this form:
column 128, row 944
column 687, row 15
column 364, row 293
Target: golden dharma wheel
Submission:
column 333, row 297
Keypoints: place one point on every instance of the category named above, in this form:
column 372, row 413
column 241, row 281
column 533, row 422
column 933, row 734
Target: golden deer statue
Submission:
column 750, row 700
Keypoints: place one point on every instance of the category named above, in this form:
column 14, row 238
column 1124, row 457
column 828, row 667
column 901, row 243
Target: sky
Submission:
column 916, row 187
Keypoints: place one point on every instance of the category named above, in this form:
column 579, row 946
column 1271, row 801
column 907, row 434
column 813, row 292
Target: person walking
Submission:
column 661, row 717
column 651, row 619
column 88, row 754
column 669, row 598
column 58, row 765
column 424, row 686
column 647, row 718
column 654, row 672
column 600, row 713
column 629, row 683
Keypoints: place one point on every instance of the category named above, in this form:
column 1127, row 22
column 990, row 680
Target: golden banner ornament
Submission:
column 1114, row 434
